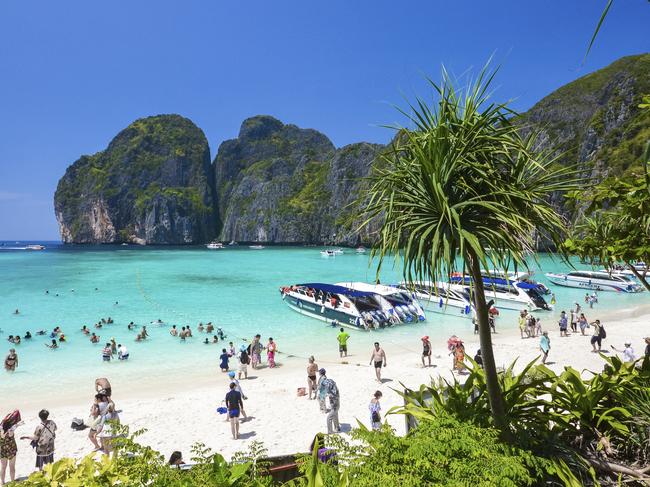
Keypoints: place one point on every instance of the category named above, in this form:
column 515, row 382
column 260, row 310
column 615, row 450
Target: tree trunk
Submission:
column 639, row 276
column 485, row 337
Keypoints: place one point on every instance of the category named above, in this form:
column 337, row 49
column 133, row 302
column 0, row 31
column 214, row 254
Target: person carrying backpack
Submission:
column 43, row 440
column 244, row 360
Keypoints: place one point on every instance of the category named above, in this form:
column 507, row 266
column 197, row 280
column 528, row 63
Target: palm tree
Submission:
column 463, row 190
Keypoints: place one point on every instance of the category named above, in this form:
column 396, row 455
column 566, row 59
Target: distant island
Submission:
column 155, row 183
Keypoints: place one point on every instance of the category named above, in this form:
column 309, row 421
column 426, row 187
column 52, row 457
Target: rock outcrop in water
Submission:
column 152, row 185
column 280, row 183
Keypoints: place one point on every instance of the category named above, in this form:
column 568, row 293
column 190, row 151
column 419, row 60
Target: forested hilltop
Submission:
column 278, row 183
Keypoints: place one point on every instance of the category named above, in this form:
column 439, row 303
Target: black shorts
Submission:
column 596, row 339
column 343, row 348
column 378, row 365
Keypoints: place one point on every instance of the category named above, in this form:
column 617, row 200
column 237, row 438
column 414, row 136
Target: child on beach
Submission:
column 244, row 360
column 545, row 346
column 375, row 407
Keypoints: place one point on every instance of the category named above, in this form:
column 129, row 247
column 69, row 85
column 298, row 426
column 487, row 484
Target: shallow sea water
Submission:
column 236, row 288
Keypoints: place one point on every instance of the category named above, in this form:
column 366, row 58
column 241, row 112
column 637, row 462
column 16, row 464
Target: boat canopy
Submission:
column 332, row 288
column 498, row 281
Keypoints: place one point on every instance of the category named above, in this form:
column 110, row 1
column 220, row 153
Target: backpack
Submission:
column 45, row 441
column 602, row 333
column 78, row 424
column 243, row 358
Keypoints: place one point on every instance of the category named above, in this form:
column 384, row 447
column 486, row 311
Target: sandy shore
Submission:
column 180, row 412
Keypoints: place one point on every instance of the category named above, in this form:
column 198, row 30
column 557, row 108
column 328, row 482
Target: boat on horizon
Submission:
column 340, row 305
column 35, row 247
column 360, row 250
column 596, row 281
column 215, row 246
column 327, row 253
column 256, row 247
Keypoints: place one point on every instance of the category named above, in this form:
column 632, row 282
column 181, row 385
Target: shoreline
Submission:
column 180, row 411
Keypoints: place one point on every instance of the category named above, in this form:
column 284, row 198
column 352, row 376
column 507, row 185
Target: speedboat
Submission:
column 341, row 305
column 328, row 253
column 256, row 247
column 439, row 298
column 521, row 276
column 620, row 270
column 215, row 246
column 506, row 294
column 35, row 247
column 360, row 250
column 232, row 242
column 404, row 306
column 337, row 250
column 597, row 281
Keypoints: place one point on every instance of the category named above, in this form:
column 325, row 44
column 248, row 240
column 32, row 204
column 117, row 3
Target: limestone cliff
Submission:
column 152, row 185
column 280, row 183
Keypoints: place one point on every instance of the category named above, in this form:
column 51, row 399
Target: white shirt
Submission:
column 123, row 350
column 628, row 354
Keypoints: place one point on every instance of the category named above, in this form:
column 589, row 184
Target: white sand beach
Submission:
column 180, row 412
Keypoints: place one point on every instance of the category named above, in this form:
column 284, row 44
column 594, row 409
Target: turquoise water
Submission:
column 235, row 288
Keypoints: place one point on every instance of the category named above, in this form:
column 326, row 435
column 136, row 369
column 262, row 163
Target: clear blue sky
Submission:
column 74, row 73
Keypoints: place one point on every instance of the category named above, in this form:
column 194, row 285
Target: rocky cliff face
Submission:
column 280, row 183
column 283, row 184
column 595, row 121
column 152, row 185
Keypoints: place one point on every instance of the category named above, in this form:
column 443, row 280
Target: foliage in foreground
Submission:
column 442, row 450
column 588, row 428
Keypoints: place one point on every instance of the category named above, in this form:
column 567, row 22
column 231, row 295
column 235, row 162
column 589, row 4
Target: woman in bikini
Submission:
column 11, row 362
column 312, row 368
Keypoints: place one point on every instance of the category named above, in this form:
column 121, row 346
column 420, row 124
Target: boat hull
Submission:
column 590, row 285
column 322, row 312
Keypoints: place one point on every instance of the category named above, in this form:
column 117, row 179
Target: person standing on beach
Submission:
column 628, row 351
column 563, row 324
column 647, row 347
column 330, row 392
column 244, row 360
column 378, row 358
column 574, row 321
column 426, row 350
column 255, row 351
column 342, row 338
column 375, row 407
column 238, row 388
column 11, row 361
column 583, row 324
column 233, row 405
column 545, row 346
column 312, row 368
column 8, row 450
column 597, row 336
column 271, row 347
column 43, row 439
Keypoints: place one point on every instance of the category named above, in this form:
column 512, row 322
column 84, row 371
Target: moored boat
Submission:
column 360, row 250
column 596, row 281
column 402, row 304
column 439, row 298
column 215, row 245
column 339, row 304
column 256, row 247
column 328, row 253
column 506, row 294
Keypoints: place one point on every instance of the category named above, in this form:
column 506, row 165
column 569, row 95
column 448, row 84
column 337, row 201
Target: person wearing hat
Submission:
column 426, row 350
column 628, row 351
column 231, row 374
column 328, row 391
column 244, row 360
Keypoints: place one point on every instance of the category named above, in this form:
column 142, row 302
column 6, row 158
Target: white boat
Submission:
column 506, row 294
column 339, row 305
column 232, row 242
column 439, row 298
column 256, row 247
column 215, row 246
column 328, row 253
column 338, row 251
column 35, row 247
column 620, row 270
column 597, row 281
column 360, row 250
column 403, row 306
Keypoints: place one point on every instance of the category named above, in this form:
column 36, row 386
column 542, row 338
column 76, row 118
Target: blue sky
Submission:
column 72, row 74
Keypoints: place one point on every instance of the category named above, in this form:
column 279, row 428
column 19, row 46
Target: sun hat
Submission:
column 321, row 371
column 243, row 348
column 425, row 337
column 231, row 374
column 628, row 342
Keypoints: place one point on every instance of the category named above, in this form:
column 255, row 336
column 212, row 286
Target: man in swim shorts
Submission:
column 234, row 404
column 343, row 343
column 378, row 358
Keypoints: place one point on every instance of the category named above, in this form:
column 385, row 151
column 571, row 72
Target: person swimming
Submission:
column 206, row 341
column 131, row 325
column 215, row 339
column 85, row 330
column 173, row 332
column 10, row 339
column 62, row 338
column 53, row 345
column 16, row 312
column 94, row 338
column 200, row 328
column 17, row 340
column 28, row 336
column 41, row 332
column 221, row 334
column 209, row 328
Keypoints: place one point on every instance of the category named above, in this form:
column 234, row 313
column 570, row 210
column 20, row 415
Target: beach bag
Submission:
column 78, row 424
column 602, row 333
column 10, row 420
column 375, row 417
